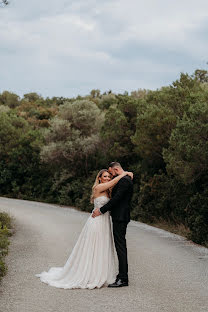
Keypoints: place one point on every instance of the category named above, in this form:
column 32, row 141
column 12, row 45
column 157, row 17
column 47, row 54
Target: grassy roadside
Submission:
column 179, row 229
column 5, row 232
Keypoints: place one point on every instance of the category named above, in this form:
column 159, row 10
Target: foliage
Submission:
column 5, row 225
column 73, row 137
column 5, row 219
column 187, row 155
column 162, row 198
column 36, row 110
column 9, row 99
column 20, row 168
column 107, row 100
column 201, row 75
column 119, row 126
column 154, row 127
column 51, row 149
column 197, row 217
column 83, row 202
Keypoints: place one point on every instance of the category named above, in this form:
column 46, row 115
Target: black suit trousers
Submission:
column 119, row 233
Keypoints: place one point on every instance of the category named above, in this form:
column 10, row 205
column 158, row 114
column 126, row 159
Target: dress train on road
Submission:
column 92, row 263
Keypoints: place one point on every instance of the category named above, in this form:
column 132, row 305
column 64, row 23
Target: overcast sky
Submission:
column 69, row 47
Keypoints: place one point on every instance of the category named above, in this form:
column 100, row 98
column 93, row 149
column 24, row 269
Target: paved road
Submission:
column 167, row 273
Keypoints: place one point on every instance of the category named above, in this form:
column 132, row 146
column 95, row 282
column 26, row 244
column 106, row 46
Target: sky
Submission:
column 69, row 47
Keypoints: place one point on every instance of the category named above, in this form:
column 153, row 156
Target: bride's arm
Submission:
column 105, row 186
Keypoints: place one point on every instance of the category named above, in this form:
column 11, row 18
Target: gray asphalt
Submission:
column 166, row 272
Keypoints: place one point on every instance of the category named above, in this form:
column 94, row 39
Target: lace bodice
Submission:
column 100, row 201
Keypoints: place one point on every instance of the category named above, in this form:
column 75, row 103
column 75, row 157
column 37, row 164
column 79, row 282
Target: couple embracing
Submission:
column 93, row 262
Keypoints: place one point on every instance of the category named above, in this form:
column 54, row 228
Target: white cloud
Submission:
column 70, row 47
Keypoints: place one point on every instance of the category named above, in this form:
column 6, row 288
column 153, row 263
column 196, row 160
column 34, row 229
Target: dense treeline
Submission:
column 52, row 148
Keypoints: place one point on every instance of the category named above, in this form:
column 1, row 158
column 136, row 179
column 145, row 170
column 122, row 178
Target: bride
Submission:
column 92, row 262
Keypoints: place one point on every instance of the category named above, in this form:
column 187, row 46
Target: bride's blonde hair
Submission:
column 97, row 181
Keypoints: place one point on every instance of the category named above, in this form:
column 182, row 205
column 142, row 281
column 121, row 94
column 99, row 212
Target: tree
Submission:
column 158, row 113
column 119, row 126
column 37, row 112
column 73, row 136
column 9, row 99
column 21, row 173
column 187, row 154
column 95, row 93
column 153, row 130
column 161, row 198
column 201, row 75
column 106, row 101
column 32, row 97
column 197, row 217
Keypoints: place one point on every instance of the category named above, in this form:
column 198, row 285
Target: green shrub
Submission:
column 3, row 268
column 161, row 198
column 197, row 217
column 5, row 219
column 84, row 201
column 5, row 224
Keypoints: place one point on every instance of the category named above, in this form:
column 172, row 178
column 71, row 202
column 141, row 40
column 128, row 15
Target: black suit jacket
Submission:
column 120, row 203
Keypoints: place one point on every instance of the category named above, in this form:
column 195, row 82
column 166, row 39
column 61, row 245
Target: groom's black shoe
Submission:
column 119, row 283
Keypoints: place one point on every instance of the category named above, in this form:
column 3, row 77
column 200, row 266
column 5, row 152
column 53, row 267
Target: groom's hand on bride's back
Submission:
column 96, row 213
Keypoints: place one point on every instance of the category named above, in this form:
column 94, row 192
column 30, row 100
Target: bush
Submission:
column 5, row 224
column 187, row 154
column 84, row 201
column 161, row 198
column 3, row 268
column 5, row 219
column 197, row 217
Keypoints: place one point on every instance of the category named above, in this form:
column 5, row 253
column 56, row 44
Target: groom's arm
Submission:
column 121, row 189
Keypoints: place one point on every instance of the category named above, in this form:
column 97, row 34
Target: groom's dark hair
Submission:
column 114, row 164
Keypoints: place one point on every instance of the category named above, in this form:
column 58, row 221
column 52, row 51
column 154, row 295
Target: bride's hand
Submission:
column 129, row 173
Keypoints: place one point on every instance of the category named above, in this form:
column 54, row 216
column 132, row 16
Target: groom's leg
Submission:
column 119, row 233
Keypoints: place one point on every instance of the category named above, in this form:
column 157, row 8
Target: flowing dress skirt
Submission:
column 92, row 262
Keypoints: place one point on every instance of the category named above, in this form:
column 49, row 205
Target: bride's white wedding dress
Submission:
column 92, row 262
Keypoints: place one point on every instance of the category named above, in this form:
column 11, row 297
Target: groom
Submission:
column 119, row 205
